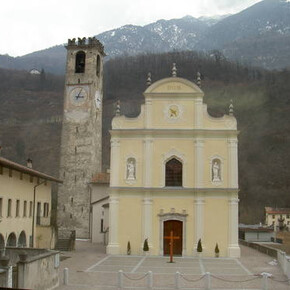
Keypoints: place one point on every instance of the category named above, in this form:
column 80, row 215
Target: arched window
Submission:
column 22, row 240
column 11, row 241
column 80, row 62
column 173, row 173
column 98, row 65
column 2, row 242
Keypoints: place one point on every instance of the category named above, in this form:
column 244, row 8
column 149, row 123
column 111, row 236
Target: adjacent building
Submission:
column 25, row 206
column 256, row 233
column 100, row 208
column 277, row 217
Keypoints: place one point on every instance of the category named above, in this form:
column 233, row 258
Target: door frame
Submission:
column 172, row 216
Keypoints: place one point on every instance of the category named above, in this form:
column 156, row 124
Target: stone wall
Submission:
column 38, row 269
column 284, row 261
column 40, row 272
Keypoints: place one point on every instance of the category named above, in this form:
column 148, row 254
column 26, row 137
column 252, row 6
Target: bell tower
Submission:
column 81, row 140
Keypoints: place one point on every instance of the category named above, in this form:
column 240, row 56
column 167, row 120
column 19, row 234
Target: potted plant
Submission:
column 217, row 250
column 146, row 246
column 128, row 248
column 199, row 248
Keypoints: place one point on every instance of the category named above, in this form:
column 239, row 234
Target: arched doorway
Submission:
column 2, row 242
column 11, row 241
column 176, row 227
column 22, row 240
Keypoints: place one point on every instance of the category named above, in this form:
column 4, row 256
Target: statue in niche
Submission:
column 131, row 169
column 216, row 171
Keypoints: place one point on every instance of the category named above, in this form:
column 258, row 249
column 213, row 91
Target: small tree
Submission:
column 217, row 250
column 145, row 246
column 128, row 248
column 199, row 246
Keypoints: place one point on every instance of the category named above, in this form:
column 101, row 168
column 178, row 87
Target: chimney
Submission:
column 29, row 163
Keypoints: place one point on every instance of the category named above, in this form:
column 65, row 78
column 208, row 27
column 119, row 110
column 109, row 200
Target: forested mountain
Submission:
column 31, row 111
column 259, row 35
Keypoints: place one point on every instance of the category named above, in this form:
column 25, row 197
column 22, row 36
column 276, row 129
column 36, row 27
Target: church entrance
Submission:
column 176, row 227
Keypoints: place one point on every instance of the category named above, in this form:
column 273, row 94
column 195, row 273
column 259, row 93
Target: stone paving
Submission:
column 90, row 268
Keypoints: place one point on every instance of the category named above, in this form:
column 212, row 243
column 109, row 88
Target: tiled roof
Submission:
column 277, row 210
column 21, row 168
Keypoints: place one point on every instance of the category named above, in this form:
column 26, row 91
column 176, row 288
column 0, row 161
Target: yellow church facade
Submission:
column 174, row 168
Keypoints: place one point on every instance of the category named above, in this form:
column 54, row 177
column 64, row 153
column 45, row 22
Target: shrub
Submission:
column 216, row 250
column 199, row 246
column 145, row 246
column 128, row 248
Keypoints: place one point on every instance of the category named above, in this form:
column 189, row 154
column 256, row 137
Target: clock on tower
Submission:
column 81, row 143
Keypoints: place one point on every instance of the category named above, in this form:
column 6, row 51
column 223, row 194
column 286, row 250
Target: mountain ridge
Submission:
column 259, row 35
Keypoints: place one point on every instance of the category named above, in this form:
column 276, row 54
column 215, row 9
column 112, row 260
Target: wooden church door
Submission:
column 176, row 227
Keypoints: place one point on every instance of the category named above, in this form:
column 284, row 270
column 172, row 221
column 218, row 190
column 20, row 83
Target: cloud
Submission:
column 31, row 25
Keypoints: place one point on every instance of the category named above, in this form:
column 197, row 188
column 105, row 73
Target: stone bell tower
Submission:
column 81, row 140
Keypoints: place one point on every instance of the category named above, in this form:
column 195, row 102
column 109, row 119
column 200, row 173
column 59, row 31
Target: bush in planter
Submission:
column 199, row 246
column 128, row 248
column 217, row 250
column 145, row 246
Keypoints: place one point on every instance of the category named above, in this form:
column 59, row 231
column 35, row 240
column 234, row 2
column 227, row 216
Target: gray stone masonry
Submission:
column 81, row 143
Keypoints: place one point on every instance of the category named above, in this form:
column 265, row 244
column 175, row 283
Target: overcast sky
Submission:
column 31, row 25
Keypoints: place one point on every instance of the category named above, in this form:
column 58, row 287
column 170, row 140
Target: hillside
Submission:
column 259, row 36
column 32, row 106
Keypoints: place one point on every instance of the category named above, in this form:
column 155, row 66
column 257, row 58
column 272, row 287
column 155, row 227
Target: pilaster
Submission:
column 199, row 220
column 199, row 162
column 148, row 113
column 115, row 162
column 113, row 247
column 233, row 248
column 147, row 162
column 147, row 221
column 198, row 105
column 233, row 162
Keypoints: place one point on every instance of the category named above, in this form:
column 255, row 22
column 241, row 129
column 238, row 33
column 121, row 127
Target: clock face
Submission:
column 98, row 100
column 78, row 96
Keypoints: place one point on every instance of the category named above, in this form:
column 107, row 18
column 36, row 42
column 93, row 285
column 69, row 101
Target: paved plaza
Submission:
column 90, row 268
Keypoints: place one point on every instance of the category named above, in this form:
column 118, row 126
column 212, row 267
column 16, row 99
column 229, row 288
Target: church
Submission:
column 174, row 168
